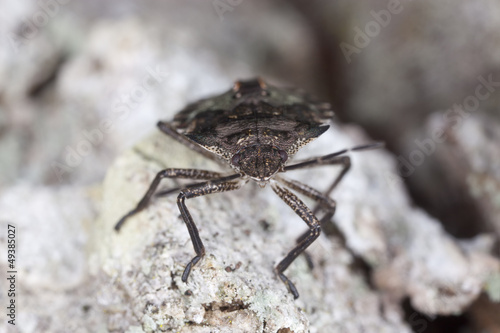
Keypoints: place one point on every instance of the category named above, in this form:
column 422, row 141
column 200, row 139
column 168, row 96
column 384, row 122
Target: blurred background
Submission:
column 81, row 81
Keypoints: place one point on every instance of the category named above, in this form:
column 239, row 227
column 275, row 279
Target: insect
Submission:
column 255, row 128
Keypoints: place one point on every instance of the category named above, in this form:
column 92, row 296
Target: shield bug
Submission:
column 255, row 128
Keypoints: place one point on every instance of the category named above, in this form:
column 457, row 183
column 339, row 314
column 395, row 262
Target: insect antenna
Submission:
column 370, row 146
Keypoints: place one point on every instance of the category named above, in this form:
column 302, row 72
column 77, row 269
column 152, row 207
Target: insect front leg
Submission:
column 323, row 199
column 324, row 202
column 193, row 192
column 314, row 231
column 167, row 173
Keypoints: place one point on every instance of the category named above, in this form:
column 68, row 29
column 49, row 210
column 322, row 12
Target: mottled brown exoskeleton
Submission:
column 255, row 128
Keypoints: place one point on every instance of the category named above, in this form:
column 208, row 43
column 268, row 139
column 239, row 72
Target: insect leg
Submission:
column 167, row 173
column 333, row 159
column 344, row 161
column 188, row 193
column 330, row 159
column 314, row 231
column 324, row 202
column 164, row 193
column 170, row 131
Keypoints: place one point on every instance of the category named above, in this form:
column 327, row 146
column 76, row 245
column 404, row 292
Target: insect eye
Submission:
column 236, row 159
column 283, row 155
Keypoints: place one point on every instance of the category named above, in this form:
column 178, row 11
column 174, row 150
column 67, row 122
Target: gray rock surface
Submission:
column 54, row 292
column 91, row 82
column 140, row 267
column 471, row 152
column 389, row 65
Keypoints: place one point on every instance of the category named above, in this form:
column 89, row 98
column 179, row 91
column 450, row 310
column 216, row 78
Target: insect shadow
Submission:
column 255, row 128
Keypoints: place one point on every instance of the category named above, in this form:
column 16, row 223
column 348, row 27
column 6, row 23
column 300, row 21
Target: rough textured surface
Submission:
column 408, row 60
column 54, row 292
column 84, row 68
column 411, row 255
column 471, row 152
column 88, row 64
column 143, row 263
